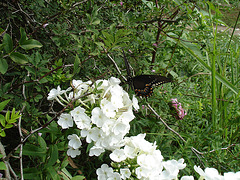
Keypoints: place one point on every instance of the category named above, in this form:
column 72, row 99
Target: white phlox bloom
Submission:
column 73, row 152
column 112, row 141
column 75, row 141
column 98, row 117
column 81, row 119
column 135, row 102
column 108, row 109
column 80, row 85
column 104, row 172
column 125, row 173
column 65, row 121
column 96, row 151
column 232, row 176
column 212, row 174
column 187, row 178
column 93, row 134
column 120, row 128
column 118, row 155
column 172, row 168
column 54, row 93
column 77, row 111
column 209, row 173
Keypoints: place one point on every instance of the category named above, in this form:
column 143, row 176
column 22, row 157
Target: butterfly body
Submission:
column 143, row 85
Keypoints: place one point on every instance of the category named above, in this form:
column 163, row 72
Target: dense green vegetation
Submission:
column 49, row 43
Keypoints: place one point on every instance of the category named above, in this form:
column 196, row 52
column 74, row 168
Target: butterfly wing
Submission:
column 143, row 84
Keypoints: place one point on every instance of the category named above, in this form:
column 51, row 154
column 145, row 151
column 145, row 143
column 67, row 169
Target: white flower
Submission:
column 135, row 103
column 96, row 151
column 92, row 134
column 172, row 168
column 80, row 85
column 125, row 173
column 120, row 128
column 104, row 172
column 209, row 174
column 98, row 117
column 73, row 152
column 187, row 178
column 114, row 81
column 54, row 93
column 77, row 111
column 232, row 176
column 114, row 176
column 142, row 172
column 65, row 121
column 83, row 121
column 75, row 141
column 107, row 107
column 118, row 155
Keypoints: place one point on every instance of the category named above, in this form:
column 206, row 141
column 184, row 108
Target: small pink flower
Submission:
column 180, row 112
column 154, row 44
column 130, row 51
column 143, row 106
column 39, row 134
column 121, row 3
column 153, row 70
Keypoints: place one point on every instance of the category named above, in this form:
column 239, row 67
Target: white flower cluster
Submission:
column 102, row 117
column 106, row 124
column 142, row 159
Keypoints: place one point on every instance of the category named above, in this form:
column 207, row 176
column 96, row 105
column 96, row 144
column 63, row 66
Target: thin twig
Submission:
column 115, row 64
column 159, row 117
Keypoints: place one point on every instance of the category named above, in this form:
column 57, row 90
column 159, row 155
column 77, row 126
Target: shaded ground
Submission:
column 223, row 28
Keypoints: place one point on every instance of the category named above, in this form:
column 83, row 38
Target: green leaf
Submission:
column 96, row 21
column 18, row 58
column 23, row 36
column 7, row 42
column 8, row 126
column 53, row 173
column 53, row 155
column 2, row 120
column 42, row 142
column 2, row 166
column 3, row 66
column 30, row 44
column 76, row 65
column 2, row 133
column 3, row 104
column 32, row 150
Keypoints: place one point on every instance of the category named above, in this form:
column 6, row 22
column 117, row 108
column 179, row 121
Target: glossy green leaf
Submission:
column 3, row 66
column 2, row 133
column 76, row 65
column 32, row 150
column 3, row 104
column 18, row 58
column 23, row 36
column 2, row 166
column 2, row 120
column 53, row 155
column 30, row 44
column 7, row 42
column 53, row 173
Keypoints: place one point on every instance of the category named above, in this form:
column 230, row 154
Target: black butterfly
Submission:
column 143, row 84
